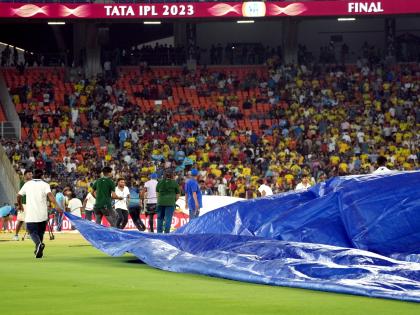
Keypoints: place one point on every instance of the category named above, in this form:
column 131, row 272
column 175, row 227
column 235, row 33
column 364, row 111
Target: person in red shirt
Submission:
column 39, row 163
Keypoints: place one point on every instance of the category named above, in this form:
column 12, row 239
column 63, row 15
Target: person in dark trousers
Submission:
column 135, row 216
column 6, row 216
column 149, row 198
column 21, row 214
column 60, row 200
column 168, row 193
column 37, row 192
column 88, row 205
column 121, row 206
column 104, row 192
column 193, row 197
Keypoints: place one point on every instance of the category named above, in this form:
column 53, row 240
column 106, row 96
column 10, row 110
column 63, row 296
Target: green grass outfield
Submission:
column 75, row 278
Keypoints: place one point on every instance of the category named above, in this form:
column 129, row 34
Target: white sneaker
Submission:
column 15, row 238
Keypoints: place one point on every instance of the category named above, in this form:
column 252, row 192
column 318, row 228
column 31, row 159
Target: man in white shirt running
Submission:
column 36, row 212
column 149, row 196
column 88, row 205
column 121, row 205
column 265, row 189
column 382, row 169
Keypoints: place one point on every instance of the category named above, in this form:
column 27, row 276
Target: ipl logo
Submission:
column 253, row 9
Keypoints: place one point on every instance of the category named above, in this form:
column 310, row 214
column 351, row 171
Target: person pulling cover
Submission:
column 36, row 211
column 193, row 197
column 104, row 192
column 168, row 193
column 149, row 196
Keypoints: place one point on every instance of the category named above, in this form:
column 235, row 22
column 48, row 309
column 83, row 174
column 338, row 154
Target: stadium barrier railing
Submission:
column 9, row 108
column 8, row 129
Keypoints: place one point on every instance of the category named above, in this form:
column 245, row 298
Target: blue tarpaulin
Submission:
column 355, row 234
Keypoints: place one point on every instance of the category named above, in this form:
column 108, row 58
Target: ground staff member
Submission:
column 104, row 192
column 88, row 205
column 135, row 216
column 168, row 193
column 74, row 205
column 193, row 197
column 148, row 195
column 21, row 214
column 121, row 206
column 6, row 213
column 36, row 214
column 60, row 200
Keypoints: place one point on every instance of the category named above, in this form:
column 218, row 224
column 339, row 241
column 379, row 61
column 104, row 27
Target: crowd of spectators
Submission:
column 159, row 54
column 325, row 121
column 169, row 55
column 256, row 54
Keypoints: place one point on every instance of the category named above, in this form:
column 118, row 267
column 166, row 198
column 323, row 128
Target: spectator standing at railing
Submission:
column 15, row 56
column 5, row 56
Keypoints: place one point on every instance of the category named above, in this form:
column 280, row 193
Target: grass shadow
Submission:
column 135, row 261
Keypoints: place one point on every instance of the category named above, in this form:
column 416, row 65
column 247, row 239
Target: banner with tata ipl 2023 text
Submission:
column 250, row 9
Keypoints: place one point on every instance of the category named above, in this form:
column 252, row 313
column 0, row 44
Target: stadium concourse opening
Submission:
column 150, row 114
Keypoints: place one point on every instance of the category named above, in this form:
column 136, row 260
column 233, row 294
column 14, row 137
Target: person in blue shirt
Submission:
column 6, row 213
column 61, row 204
column 6, row 210
column 179, row 156
column 193, row 197
column 254, row 138
column 123, row 135
column 201, row 140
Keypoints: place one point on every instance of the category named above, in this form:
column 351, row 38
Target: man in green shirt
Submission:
column 21, row 214
column 168, row 193
column 104, row 192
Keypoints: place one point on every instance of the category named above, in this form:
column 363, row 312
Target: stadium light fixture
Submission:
column 56, row 23
column 346, row 19
column 152, row 22
column 11, row 46
column 245, row 21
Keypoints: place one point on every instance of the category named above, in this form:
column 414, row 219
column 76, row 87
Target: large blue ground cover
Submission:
column 356, row 234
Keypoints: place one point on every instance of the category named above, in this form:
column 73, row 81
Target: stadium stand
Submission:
column 236, row 124
column 159, row 54
column 2, row 115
